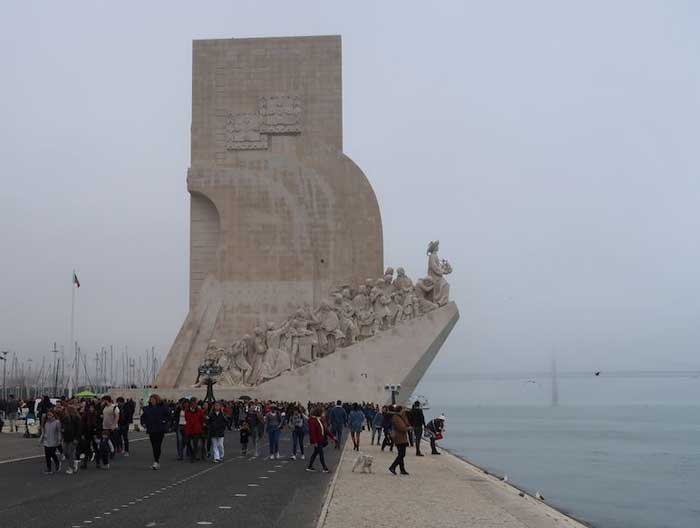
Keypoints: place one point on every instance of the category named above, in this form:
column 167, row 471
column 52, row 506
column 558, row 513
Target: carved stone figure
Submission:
column 303, row 339
column 388, row 278
column 364, row 313
column 328, row 328
column 346, row 311
column 277, row 359
column 380, row 304
column 402, row 282
column 424, row 291
column 437, row 269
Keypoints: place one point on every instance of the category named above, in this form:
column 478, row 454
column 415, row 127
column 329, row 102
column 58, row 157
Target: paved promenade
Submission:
column 238, row 492
column 441, row 491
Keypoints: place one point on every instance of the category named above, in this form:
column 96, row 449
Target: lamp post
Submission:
column 3, row 356
column 394, row 392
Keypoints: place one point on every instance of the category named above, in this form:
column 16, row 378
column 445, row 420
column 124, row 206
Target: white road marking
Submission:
column 224, row 507
column 264, row 478
column 204, row 522
column 240, row 495
column 271, row 471
column 253, row 485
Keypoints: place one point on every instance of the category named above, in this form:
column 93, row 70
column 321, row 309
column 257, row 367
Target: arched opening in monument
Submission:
column 204, row 242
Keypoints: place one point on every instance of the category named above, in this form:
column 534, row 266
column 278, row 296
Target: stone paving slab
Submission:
column 442, row 491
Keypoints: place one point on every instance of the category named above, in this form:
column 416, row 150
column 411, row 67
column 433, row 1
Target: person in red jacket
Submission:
column 194, row 427
column 318, row 437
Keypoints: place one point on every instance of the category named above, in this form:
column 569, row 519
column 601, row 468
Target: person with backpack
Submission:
column 156, row 419
column 298, row 422
column 273, row 426
column 217, row 424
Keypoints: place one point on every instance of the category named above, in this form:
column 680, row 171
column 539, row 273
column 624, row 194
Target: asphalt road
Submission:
column 236, row 492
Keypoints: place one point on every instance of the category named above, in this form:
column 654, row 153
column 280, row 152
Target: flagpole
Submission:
column 72, row 337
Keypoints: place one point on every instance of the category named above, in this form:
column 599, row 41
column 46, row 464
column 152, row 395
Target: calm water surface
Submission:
column 612, row 467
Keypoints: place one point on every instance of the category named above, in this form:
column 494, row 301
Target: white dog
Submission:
column 364, row 462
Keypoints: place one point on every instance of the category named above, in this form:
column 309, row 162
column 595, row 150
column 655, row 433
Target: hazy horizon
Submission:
column 552, row 148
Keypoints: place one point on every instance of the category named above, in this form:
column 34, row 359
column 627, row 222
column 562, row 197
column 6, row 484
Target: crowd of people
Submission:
column 78, row 432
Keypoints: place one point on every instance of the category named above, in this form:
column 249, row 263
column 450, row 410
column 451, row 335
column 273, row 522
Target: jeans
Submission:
column 156, row 444
column 50, row 454
column 69, row 453
column 318, row 451
column 217, row 447
column 274, row 436
column 256, row 443
column 376, row 432
column 400, row 455
column 337, row 431
column 193, row 445
column 115, row 438
column 123, row 433
column 298, row 439
column 181, row 440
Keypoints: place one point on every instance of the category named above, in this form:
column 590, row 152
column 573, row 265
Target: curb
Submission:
column 329, row 492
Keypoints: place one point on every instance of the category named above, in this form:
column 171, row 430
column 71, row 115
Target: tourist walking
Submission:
column 273, row 426
column 377, row 426
column 356, row 419
column 105, row 450
column 51, row 439
column 126, row 417
column 387, row 421
column 298, row 423
column 179, row 422
column 110, row 420
column 11, row 409
column 244, row 431
column 318, row 437
column 156, row 419
column 194, row 427
column 70, row 433
column 417, row 420
column 254, row 420
column 217, row 428
column 400, row 427
column 338, row 418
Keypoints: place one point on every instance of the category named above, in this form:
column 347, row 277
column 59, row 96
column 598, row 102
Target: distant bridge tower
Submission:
column 555, row 384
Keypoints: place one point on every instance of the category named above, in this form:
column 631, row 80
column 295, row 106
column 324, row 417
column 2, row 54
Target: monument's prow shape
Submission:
column 279, row 215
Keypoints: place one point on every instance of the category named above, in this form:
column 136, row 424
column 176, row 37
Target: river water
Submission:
column 635, row 465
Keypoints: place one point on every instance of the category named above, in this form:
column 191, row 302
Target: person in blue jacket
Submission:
column 357, row 422
column 338, row 419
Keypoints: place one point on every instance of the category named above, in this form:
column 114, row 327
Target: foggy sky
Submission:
column 552, row 147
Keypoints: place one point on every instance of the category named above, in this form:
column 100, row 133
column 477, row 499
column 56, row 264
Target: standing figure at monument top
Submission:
column 437, row 269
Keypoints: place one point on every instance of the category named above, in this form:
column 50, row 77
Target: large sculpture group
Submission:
column 349, row 315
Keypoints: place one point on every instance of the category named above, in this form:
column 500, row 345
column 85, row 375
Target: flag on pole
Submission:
column 75, row 280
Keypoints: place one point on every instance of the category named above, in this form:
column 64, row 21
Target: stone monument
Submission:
column 286, row 250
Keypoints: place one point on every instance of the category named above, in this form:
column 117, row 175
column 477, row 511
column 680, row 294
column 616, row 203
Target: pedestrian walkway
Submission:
column 440, row 491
